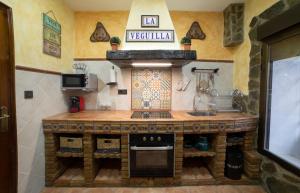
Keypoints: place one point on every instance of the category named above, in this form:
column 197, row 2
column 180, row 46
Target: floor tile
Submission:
column 101, row 190
column 125, row 190
column 184, row 189
column 251, row 189
column 143, row 190
column 177, row 190
column 227, row 189
column 202, row 189
column 158, row 190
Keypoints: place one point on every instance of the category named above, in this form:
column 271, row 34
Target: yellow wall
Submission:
column 241, row 57
column 212, row 23
column 28, row 32
column 85, row 24
column 27, row 16
column 115, row 23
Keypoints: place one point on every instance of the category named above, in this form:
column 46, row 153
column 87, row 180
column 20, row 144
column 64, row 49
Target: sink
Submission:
column 202, row 113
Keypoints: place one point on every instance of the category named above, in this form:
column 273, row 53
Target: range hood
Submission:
column 147, row 53
column 125, row 58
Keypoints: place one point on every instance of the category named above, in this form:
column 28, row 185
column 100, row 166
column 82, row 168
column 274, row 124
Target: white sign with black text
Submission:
column 150, row 21
column 149, row 35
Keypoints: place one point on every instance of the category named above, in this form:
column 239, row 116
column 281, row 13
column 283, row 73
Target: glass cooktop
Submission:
column 151, row 115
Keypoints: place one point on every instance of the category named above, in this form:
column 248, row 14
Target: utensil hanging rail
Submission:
column 205, row 70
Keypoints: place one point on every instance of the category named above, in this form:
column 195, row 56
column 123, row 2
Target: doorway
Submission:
column 8, row 137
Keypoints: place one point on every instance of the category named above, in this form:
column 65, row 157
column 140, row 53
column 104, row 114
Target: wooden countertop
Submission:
column 124, row 116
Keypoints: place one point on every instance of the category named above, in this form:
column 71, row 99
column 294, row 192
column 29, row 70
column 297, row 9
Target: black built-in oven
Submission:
column 151, row 155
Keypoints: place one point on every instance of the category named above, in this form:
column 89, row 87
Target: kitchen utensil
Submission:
column 204, row 85
column 202, row 144
column 205, row 91
column 197, row 82
column 237, row 100
column 80, row 68
column 179, row 85
column 188, row 144
column 186, row 83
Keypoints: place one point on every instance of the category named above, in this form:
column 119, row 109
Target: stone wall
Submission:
column 275, row 178
column 233, row 25
column 278, row 180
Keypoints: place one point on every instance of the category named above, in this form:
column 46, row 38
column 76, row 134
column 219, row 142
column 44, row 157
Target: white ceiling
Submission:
column 182, row 5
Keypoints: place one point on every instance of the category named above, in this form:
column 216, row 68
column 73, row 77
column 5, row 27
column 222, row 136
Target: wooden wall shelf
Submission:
column 124, row 58
column 236, row 143
column 69, row 154
column 108, row 177
column 197, row 175
column 107, row 155
column 192, row 152
column 71, row 177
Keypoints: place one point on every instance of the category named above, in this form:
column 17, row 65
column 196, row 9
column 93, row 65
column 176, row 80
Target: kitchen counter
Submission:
column 120, row 116
column 88, row 126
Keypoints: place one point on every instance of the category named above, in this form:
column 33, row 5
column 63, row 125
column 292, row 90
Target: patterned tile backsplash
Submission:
column 151, row 89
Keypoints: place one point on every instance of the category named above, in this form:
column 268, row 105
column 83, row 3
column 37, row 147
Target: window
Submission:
column 279, row 136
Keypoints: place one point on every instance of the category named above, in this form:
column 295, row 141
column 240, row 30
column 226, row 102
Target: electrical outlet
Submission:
column 122, row 92
column 28, row 94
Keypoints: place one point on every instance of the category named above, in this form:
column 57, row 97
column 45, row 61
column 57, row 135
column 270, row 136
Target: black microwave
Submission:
column 87, row 82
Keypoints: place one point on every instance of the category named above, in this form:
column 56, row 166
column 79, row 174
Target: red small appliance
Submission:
column 81, row 103
column 76, row 104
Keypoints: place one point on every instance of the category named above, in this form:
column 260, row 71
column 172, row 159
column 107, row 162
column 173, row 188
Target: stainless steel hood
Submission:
column 125, row 58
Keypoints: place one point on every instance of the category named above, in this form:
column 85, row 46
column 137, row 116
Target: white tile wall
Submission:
column 48, row 100
column 183, row 100
column 107, row 95
column 180, row 100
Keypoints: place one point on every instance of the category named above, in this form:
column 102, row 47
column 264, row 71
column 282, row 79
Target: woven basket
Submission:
column 105, row 143
column 70, row 142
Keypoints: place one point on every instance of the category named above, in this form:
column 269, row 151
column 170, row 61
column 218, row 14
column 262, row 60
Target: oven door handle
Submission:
column 163, row 148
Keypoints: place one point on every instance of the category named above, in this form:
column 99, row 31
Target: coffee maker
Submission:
column 76, row 104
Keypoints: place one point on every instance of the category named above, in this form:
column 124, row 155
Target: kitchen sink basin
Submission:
column 202, row 113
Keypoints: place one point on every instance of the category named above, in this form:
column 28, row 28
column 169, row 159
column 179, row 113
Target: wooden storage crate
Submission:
column 108, row 143
column 72, row 144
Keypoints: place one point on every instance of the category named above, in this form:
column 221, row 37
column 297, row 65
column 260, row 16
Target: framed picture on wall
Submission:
column 150, row 21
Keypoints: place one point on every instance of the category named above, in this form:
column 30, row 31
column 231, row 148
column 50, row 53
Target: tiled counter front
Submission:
column 90, row 129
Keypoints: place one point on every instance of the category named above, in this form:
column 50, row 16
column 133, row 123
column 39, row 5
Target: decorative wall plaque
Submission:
column 195, row 32
column 149, row 35
column 51, row 36
column 100, row 34
column 149, row 21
